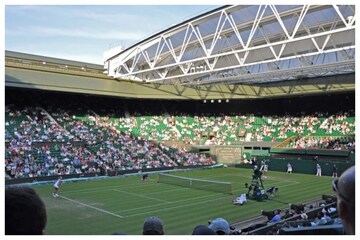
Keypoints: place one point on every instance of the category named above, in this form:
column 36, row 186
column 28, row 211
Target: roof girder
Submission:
column 203, row 66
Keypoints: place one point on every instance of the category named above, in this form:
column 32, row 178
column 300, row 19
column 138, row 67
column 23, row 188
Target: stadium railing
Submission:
column 335, row 229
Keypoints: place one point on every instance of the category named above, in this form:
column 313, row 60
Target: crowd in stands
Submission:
column 227, row 130
column 42, row 145
column 332, row 142
column 74, row 134
column 297, row 217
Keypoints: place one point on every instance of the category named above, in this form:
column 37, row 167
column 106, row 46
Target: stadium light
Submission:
column 219, row 101
column 212, row 101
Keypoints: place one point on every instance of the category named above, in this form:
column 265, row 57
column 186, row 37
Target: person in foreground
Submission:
column 345, row 191
column 203, row 230
column 153, row 226
column 220, row 226
column 25, row 212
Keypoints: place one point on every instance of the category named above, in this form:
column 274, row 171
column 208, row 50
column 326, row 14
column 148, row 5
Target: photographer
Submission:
column 272, row 191
column 256, row 175
column 240, row 200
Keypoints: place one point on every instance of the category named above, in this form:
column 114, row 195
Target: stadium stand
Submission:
column 66, row 136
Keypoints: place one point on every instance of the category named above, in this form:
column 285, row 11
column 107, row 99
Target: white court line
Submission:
column 169, row 190
column 134, row 209
column 191, row 204
column 157, row 205
column 214, row 177
column 190, row 199
column 98, row 209
column 139, row 208
column 286, row 185
column 143, row 196
column 181, row 206
column 100, row 189
column 271, row 178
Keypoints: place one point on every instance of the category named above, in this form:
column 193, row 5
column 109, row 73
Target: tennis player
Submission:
column 57, row 187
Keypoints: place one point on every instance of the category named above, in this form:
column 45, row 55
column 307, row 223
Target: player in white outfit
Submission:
column 57, row 187
column 289, row 168
column 264, row 168
column 318, row 170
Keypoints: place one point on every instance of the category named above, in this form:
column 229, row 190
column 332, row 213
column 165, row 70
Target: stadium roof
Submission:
column 244, row 44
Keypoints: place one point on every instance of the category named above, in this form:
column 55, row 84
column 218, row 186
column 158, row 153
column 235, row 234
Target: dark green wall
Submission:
column 302, row 166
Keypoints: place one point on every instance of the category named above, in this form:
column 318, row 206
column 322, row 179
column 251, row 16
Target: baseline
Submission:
column 89, row 206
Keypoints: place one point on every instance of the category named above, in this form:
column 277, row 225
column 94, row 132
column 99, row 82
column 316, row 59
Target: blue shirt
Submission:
column 276, row 218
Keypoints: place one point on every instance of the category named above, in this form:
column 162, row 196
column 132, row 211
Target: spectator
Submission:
column 203, row 230
column 25, row 212
column 276, row 218
column 321, row 219
column 268, row 214
column 220, row 226
column 345, row 191
column 287, row 214
column 153, row 226
column 304, row 216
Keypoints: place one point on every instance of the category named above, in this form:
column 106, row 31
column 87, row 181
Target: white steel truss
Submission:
column 245, row 44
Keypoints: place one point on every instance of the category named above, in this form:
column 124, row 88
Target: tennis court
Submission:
column 120, row 204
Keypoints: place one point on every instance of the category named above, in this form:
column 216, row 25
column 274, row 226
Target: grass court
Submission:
column 120, row 204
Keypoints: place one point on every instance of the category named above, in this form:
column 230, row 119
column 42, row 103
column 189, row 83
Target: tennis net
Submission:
column 214, row 186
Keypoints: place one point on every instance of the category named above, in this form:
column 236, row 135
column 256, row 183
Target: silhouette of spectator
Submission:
column 25, row 212
column 220, row 226
column 203, row 230
column 153, row 226
column 345, row 191
column 321, row 219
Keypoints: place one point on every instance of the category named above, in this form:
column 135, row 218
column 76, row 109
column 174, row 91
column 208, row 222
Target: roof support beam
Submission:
column 243, row 44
